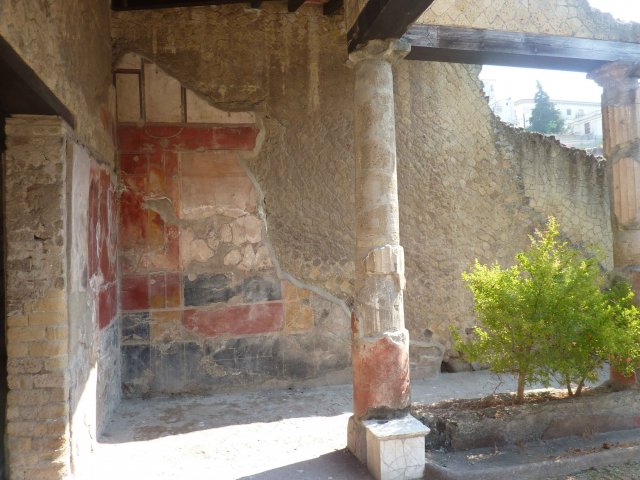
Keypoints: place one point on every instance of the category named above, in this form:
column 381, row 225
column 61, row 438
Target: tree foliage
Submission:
column 549, row 316
column 545, row 118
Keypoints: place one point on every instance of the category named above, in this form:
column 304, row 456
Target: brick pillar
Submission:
column 37, row 435
column 380, row 341
column 621, row 130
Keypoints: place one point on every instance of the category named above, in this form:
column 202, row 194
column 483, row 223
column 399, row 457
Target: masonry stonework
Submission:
column 204, row 306
column 37, row 435
column 60, row 285
column 60, row 60
column 573, row 18
column 467, row 185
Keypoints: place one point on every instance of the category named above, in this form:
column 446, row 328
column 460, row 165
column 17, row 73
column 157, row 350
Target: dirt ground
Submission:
column 270, row 435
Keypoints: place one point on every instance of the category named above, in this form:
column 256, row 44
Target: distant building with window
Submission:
column 582, row 120
column 570, row 110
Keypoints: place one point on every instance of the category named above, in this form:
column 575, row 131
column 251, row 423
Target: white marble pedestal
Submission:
column 395, row 448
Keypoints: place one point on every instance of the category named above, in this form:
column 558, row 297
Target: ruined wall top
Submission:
column 573, row 18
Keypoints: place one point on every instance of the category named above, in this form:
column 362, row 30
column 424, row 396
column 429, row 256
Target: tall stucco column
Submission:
column 380, row 341
column 621, row 131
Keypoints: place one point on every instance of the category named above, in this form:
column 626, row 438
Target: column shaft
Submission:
column 380, row 346
column 621, row 130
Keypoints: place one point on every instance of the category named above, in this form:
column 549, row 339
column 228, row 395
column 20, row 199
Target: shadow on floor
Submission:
column 338, row 465
column 144, row 420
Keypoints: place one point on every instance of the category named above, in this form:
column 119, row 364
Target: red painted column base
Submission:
column 381, row 375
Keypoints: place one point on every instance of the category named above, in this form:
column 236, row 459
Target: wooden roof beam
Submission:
column 294, row 5
column 157, row 4
column 515, row 49
column 385, row 19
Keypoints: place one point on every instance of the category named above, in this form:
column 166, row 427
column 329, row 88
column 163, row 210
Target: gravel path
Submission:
column 629, row 471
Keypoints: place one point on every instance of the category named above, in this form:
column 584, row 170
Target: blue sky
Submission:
column 521, row 82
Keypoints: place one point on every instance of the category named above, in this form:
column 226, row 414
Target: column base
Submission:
column 391, row 449
column 381, row 375
column 357, row 439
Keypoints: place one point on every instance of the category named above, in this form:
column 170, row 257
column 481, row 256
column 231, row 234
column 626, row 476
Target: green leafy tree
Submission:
column 545, row 118
column 625, row 345
column 549, row 316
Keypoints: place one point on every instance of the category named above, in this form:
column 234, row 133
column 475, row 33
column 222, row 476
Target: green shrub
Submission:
column 549, row 316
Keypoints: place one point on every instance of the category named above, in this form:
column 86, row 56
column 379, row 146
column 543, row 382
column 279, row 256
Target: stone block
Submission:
column 212, row 288
column 207, row 288
column 396, row 448
column 48, row 348
column 25, row 334
column 200, row 111
column 168, row 364
column 166, row 327
column 135, row 292
column 381, row 373
column 157, row 290
column 246, row 229
column 135, row 364
column 232, row 196
column 162, row 96
column 298, row 317
column 238, row 320
column 128, row 97
column 135, row 328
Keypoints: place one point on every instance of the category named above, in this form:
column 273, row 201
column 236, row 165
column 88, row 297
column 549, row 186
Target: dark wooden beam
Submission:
column 22, row 91
column 382, row 19
column 157, row 4
column 514, row 49
column 332, row 7
column 294, row 5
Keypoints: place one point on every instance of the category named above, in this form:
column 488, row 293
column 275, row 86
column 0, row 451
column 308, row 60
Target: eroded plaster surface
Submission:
column 468, row 187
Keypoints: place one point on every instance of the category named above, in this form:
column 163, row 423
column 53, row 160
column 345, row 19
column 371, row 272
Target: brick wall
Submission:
column 63, row 371
column 37, row 323
column 203, row 303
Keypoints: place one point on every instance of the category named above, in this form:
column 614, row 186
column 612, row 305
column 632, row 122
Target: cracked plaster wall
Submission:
column 467, row 185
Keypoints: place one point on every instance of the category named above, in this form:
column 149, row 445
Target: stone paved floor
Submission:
column 270, row 435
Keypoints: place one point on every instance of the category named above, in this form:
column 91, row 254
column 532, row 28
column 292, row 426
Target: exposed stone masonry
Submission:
column 205, row 307
column 460, row 175
column 37, row 435
column 573, row 18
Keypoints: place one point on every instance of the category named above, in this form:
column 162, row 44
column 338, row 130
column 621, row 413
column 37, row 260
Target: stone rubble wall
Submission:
column 574, row 18
column 468, row 186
